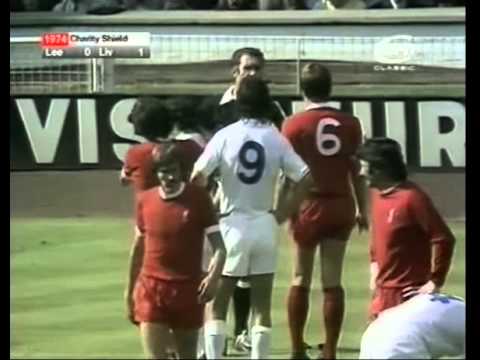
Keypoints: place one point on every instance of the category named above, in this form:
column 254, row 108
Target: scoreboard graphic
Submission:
column 84, row 45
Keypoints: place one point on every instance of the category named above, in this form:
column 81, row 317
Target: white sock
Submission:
column 261, row 338
column 215, row 335
column 200, row 342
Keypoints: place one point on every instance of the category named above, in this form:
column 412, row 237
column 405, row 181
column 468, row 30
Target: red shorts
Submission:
column 173, row 303
column 385, row 298
column 323, row 217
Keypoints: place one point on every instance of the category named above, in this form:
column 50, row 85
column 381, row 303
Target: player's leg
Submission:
column 216, row 315
column 264, row 231
column 155, row 339
column 186, row 340
column 153, row 317
column 298, row 298
column 241, row 311
column 261, row 291
column 332, row 254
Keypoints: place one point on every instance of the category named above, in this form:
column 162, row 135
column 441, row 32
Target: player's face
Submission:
column 170, row 177
column 249, row 66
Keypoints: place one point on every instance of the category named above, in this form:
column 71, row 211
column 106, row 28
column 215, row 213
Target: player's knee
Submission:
column 301, row 280
column 332, row 279
column 334, row 293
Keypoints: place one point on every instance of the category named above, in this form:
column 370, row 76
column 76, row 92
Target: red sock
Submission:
column 298, row 297
column 333, row 311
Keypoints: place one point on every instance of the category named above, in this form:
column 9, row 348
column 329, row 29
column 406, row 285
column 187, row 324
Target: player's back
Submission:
column 428, row 325
column 326, row 139
column 438, row 319
column 252, row 156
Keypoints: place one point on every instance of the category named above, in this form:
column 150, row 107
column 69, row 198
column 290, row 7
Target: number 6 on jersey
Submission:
column 322, row 138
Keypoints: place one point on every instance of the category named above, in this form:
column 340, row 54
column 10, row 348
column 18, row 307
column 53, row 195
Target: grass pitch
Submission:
column 67, row 279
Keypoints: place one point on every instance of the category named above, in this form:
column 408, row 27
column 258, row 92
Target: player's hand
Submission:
column 124, row 178
column 129, row 306
column 362, row 222
column 428, row 288
column 207, row 289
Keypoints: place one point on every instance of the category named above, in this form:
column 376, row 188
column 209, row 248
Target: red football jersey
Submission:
column 174, row 232
column 138, row 164
column 326, row 139
column 138, row 167
column 405, row 227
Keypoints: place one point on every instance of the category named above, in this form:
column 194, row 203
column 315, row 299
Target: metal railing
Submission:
column 30, row 73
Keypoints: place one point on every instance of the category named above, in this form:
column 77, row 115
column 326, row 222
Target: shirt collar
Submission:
column 389, row 190
column 228, row 95
column 315, row 105
column 198, row 138
column 171, row 196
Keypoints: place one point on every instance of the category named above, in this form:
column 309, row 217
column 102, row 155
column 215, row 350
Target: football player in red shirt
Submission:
column 411, row 246
column 165, row 288
column 161, row 123
column 151, row 120
column 155, row 122
column 327, row 140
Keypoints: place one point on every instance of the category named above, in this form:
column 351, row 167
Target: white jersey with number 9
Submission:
column 249, row 156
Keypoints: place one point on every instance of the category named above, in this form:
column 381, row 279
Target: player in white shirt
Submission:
column 427, row 326
column 249, row 154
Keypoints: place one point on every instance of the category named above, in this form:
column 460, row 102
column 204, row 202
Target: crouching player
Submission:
column 165, row 289
column 428, row 326
column 411, row 247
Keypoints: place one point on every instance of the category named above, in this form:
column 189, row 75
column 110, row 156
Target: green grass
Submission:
column 67, row 278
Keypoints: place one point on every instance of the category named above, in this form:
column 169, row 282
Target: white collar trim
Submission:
column 171, row 196
column 314, row 105
column 228, row 95
column 198, row 138
column 390, row 189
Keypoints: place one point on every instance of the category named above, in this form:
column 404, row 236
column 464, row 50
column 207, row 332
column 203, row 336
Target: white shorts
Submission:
column 251, row 243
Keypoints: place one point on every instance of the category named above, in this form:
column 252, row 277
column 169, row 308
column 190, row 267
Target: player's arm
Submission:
column 297, row 184
column 209, row 284
column 373, row 265
column 373, row 275
column 126, row 172
column 360, row 192
column 124, row 177
column 358, row 180
column 208, row 161
column 291, row 196
column 441, row 239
